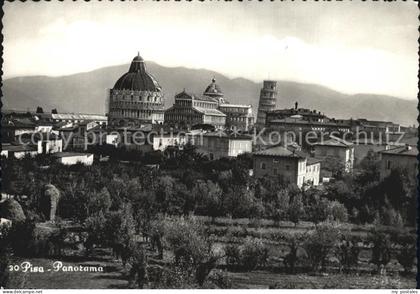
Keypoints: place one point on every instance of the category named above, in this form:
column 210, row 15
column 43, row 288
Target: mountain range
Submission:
column 87, row 93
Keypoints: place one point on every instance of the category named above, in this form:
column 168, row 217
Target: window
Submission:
column 275, row 171
column 262, row 165
column 388, row 164
column 287, row 167
column 275, row 160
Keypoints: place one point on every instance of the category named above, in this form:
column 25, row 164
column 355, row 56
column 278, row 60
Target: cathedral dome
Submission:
column 137, row 78
column 213, row 90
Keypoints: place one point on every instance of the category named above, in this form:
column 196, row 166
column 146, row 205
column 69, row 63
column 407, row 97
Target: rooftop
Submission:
column 209, row 111
column 233, row 136
column 280, row 151
column 235, row 105
column 300, row 121
column 70, row 154
column 18, row 148
column 137, row 78
column 213, row 90
column 312, row 160
column 334, row 142
column 407, row 150
column 187, row 95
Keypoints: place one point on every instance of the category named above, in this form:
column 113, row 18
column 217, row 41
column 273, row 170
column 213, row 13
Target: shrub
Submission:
column 12, row 210
column 253, row 254
column 338, row 211
column 294, row 241
column 23, row 239
column 138, row 262
column 407, row 253
column 347, row 252
column 219, row 280
column 232, row 252
column 319, row 245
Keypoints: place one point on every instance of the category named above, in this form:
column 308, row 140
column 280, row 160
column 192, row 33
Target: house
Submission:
column 238, row 116
column 162, row 141
column 112, row 139
column 217, row 145
column 292, row 165
column 71, row 158
column 337, row 149
column 401, row 157
column 78, row 136
column 313, row 169
column 48, row 143
column 71, row 118
column 18, row 151
column 363, row 147
column 16, row 124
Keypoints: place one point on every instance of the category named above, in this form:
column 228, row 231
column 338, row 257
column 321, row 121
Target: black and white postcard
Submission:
column 209, row 145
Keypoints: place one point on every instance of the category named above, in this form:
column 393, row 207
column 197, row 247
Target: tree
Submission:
column 54, row 111
column 319, row 210
column 99, row 202
column 390, row 217
column 39, row 109
column 406, row 254
column 12, row 210
column 240, row 202
column 253, row 253
column 347, row 252
column 296, row 209
column 208, row 196
column 95, row 229
column 138, row 262
column 119, row 230
column 187, row 239
column 232, row 253
column 281, row 208
column 294, row 241
column 319, row 245
column 338, row 211
column 49, row 201
column 381, row 250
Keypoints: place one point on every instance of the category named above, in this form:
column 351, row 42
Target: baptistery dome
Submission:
column 136, row 99
column 137, row 78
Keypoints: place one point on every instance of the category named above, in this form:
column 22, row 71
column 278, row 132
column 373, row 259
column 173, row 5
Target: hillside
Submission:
column 87, row 92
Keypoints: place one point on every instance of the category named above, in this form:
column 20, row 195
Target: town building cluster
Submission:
column 209, row 122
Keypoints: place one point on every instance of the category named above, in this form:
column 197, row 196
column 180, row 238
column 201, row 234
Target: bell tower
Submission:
column 267, row 102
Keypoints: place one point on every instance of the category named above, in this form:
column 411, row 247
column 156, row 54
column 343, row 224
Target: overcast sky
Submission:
column 353, row 47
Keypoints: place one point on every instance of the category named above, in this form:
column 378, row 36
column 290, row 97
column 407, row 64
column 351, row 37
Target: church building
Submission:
column 210, row 108
column 136, row 100
column 190, row 109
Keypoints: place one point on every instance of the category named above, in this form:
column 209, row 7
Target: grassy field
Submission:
column 113, row 275
column 263, row 279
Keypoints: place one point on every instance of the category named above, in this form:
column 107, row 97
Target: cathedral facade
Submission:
column 209, row 108
column 136, row 99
